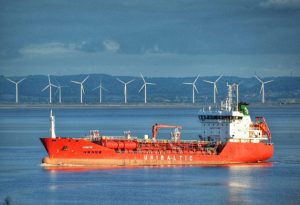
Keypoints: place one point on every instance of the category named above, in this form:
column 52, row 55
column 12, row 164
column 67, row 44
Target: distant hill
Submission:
column 167, row 89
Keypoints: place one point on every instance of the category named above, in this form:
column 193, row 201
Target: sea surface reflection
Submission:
column 24, row 181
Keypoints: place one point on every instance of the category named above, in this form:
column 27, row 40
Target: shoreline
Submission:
column 130, row 105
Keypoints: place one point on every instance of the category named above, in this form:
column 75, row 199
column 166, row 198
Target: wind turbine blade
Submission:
column 142, row 88
column 104, row 88
column 96, row 88
column 151, row 83
column 259, row 79
column 85, row 79
column 45, row 88
column 208, row 81
column 216, row 89
column 83, row 90
column 21, row 80
column 54, row 85
column 75, row 82
column 219, row 78
column 49, row 80
column 143, row 78
column 196, row 79
column 121, row 81
column 194, row 86
column 261, row 88
column 188, row 83
column 100, row 86
column 11, row 80
column 130, row 81
column 268, row 81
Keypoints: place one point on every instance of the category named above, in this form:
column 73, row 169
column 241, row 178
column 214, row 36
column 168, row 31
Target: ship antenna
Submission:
column 52, row 129
column 237, row 97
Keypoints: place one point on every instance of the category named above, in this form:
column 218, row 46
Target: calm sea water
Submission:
column 24, row 181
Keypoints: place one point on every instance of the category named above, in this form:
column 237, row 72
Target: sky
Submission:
column 159, row 38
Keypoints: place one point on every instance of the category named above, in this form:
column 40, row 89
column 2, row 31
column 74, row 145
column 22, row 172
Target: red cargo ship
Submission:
column 226, row 136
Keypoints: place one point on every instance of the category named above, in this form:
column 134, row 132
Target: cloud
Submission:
column 89, row 46
column 47, row 49
column 281, row 4
column 154, row 49
column 111, row 46
column 53, row 48
column 63, row 59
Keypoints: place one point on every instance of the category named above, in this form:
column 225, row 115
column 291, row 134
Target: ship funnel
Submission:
column 52, row 129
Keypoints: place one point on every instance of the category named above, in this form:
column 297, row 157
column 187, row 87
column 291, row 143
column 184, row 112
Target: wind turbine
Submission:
column 145, row 87
column 17, row 87
column 125, row 88
column 59, row 92
column 262, row 88
column 81, row 86
column 50, row 85
column 194, row 87
column 100, row 91
column 215, row 86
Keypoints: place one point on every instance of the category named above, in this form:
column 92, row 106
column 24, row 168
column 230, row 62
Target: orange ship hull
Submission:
column 72, row 151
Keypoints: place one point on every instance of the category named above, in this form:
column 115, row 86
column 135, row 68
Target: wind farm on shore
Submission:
column 55, row 89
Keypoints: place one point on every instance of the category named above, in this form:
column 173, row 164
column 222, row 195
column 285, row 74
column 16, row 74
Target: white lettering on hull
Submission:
column 168, row 157
column 87, row 147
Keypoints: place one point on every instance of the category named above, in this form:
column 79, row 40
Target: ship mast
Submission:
column 237, row 96
column 229, row 97
column 229, row 101
column 52, row 129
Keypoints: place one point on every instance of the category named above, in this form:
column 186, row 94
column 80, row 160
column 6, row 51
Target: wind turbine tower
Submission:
column 262, row 88
column 125, row 88
column 145, row 87
column 100, row 91
column 81, row 87
column 59, row 92
column 215, row 86
column 50, row 85
column 17, row 87
column 194, row 87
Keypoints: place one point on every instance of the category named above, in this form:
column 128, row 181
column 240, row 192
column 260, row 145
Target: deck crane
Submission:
column 176, row 134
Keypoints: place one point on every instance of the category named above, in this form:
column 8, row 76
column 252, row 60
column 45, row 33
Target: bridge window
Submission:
column 218, row 117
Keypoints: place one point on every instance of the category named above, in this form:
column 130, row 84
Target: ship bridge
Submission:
column 221, row 125
column 229, row 121
column 220, row 115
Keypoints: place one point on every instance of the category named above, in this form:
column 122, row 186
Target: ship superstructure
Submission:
column 232, row 122
column 226, row 135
